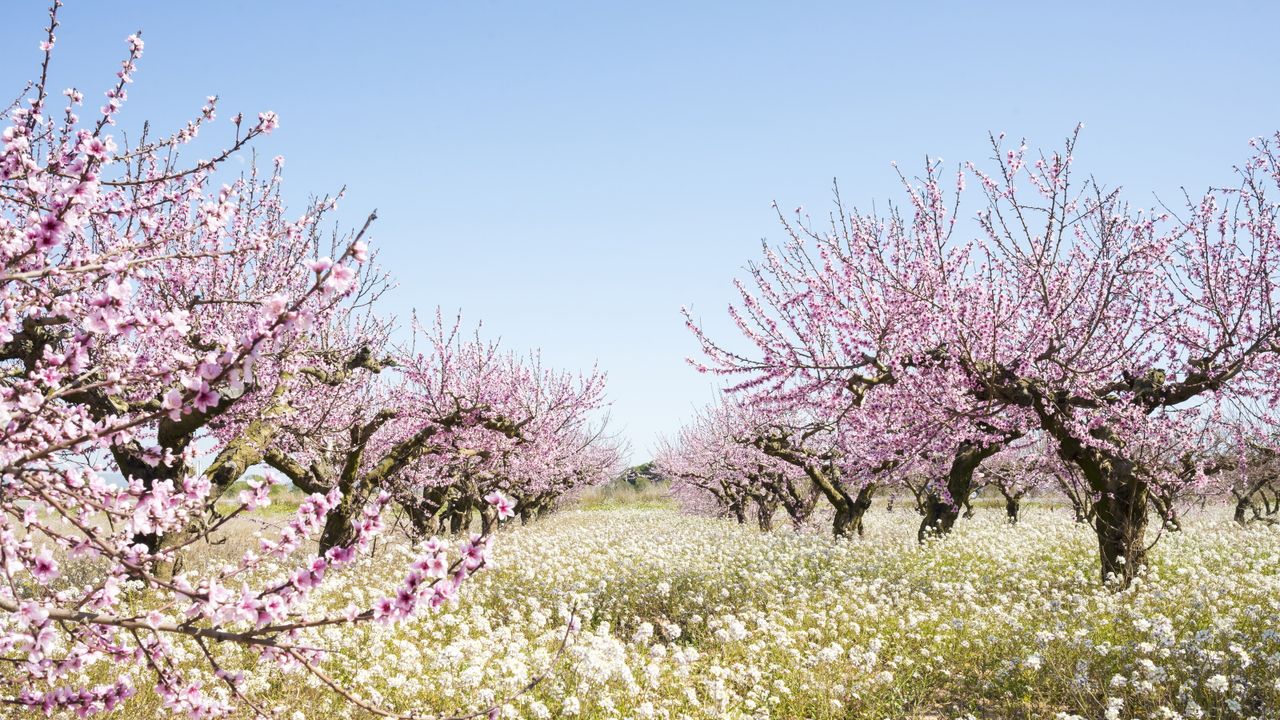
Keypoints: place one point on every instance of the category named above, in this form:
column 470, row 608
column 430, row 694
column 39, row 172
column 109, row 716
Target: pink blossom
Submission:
column 360, row 251
column 268, row 121
column 44, row 568
column 341, row 279
column 501, row 503
column 320, row 265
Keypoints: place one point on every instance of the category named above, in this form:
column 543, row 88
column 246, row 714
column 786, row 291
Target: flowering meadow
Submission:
column 685, row 617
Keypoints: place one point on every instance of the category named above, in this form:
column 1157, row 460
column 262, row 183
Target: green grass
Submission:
column 285, row 500
column 620, row 495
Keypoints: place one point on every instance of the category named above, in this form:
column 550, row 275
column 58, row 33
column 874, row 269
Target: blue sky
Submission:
column 572, row 173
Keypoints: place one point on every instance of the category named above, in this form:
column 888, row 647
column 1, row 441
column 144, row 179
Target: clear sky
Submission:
column 571, row 173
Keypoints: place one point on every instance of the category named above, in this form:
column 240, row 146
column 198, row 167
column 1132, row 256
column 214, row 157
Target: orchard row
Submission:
column 172, row 343
column 1017, row 324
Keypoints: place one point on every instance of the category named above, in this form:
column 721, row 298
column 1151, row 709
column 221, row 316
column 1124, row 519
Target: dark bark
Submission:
column 488, row 518
column 919, row 495
column 824, row 474
column 1258, row 500
column 460, row 516
column 766, row 508
column 939, row 517
column 458, row 520
column 1012, row 498
column 1121, row 494
column 940, row 513
column 798, row 503
column 1164, row 505
column 424, row 512
column 1011, row 506
column 848, row 519
column 844, row 524
column 339, row 525
column 1120, row 521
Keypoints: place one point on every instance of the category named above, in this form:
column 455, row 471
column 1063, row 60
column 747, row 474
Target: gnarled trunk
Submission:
column 1242, row 509
column 939, row 517
column 1257, row 501
column 845, row 524
column 129, row 459
column 488, row 518
column 798, row 505
column 1120, row 521
column 1011, row 506
column 460, row 518
column 1164, row 505
column 940, row 512
column 803, row 510
column 849, row 514
column 339, row 524
column 424, row 512
column 766, row 508
column 1120, row 502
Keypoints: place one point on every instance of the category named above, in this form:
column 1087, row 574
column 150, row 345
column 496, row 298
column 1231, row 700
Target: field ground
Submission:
column 686, row 617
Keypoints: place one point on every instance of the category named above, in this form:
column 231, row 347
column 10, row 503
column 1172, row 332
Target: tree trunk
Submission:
column 848, row 517
column 800, row 507
column 129, row 460
column 460, row 519
column 765, row 510
column 1119, row 512
column 1011, row 506
column 424, row 513
column 1242, row 510
column 941, row 513
column 339, row 524
column 233, row 461
column 862, row 504
column 844, row 524
column 1120, row 521
column 488, row 519
column 939, row 517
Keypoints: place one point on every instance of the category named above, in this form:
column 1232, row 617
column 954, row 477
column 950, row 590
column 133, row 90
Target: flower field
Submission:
column 687, row 617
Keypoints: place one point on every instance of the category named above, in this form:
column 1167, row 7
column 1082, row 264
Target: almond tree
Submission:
column 150, row 321
column 513, row 426
column 1123, row 333
column 821, row 317
column 716, row 457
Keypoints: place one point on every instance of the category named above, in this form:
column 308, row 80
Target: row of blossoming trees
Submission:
column 165, row 338
column 1051, row 333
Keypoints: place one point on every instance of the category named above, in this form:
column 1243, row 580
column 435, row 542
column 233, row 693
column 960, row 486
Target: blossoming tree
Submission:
column 1122, row 336
column 715, row 462
column 161, row 335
